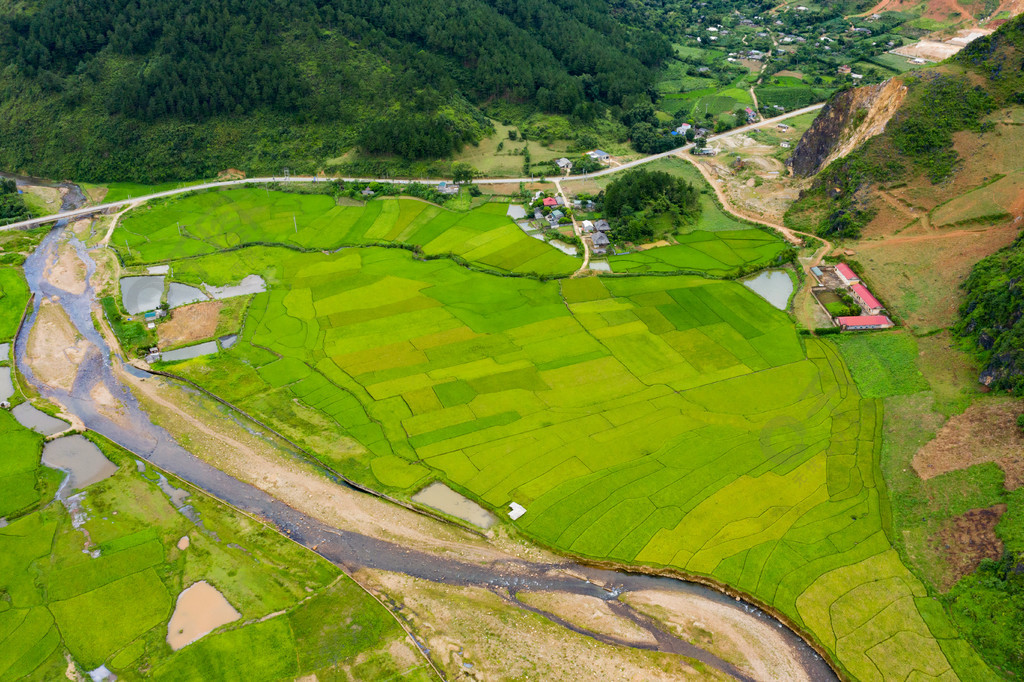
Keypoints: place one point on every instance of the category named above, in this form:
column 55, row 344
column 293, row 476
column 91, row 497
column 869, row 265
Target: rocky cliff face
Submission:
column 848, row 120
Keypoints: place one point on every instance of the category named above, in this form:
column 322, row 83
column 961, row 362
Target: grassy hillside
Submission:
column 117, row 90
column 924, row 144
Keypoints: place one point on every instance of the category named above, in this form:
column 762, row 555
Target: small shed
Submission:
column 367, row 192
column 599, row 155
column 564, row 163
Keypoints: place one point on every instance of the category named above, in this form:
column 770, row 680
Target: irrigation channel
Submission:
column 136, row 432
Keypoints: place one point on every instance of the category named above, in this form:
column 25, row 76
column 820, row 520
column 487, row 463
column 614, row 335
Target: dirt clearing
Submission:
column 55, row 348
column 966, row 540
column 190, row 323
column 986, row 432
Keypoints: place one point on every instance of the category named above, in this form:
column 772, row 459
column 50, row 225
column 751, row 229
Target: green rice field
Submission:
column 208, row 222
column 674, row 422
column 720, row 253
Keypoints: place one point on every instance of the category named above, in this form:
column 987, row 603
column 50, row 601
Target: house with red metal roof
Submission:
column 857, row 322
column 846, row 274
column 867, row 300
column 550, row 201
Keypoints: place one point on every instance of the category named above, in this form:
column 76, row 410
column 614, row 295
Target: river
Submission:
column 136, row 432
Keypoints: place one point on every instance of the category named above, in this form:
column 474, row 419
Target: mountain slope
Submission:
column 114, row 89
column 930, row 143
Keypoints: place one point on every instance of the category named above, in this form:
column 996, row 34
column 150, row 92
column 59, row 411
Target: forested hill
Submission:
column 119, row 89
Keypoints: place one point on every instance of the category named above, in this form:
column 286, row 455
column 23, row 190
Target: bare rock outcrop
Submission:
column 851, row 118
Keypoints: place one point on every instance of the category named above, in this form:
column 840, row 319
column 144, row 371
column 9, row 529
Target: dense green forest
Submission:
column 992, row 317
column 642, row 204
column 12, row 206
column 117, row 89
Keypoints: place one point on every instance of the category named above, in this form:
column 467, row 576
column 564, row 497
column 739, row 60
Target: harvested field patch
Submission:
column 967, row 539
column 986, row 432
column 190, row 323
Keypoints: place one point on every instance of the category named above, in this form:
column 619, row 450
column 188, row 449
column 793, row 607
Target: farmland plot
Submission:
column 668, row 421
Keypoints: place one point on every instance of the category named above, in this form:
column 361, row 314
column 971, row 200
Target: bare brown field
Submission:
column 190, row 323
column 967, row 539
column 986, row 432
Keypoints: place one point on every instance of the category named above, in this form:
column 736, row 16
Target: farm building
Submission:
column 846, row 274
column 857, row 322
column 601, row 242
column 866, row 299
column 588, row 226
column 564, row 163
column 367, row 192
column 550, row 201
column 599, row 155
column 602, row 226
column 559, row 201
column 447, row 187
column 557, row 214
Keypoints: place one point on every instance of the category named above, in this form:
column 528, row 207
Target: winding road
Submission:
column 100, row 208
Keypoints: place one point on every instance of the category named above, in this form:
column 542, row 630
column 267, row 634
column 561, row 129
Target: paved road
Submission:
column 34, row 222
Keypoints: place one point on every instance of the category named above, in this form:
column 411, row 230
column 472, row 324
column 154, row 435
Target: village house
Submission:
column 599, row 155
column 550, row 201
column 564, row 164
column 601, row 242
column 447, row 187
column 538, row 214
column 557, row 214
column 602, row 226
column 559, row 201
column 751, row 115
column 844, row 70
column 367, row 192
column 588, row 226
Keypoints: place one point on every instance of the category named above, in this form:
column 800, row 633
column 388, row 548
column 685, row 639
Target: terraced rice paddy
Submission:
column 673, row 422
column 716, row 253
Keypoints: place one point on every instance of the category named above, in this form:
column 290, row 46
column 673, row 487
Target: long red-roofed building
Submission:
column 846, row 273
column 855, row 322
column 867, row 299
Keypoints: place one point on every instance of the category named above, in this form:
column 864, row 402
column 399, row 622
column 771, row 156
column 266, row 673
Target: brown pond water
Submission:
column 201, row 608
column 81, row 458
column 441, row 497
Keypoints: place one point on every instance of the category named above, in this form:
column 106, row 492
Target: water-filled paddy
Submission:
column 189, row 352
column 141, row 294
column 182, row 294
column 38, row 421
column 774, row 286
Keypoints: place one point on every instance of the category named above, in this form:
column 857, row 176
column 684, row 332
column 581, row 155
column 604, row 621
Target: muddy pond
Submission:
column 200, row 610
column 439, row 496
column 81, row 458
column 189, row 352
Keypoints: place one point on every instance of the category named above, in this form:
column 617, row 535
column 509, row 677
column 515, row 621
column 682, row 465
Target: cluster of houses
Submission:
column 842, row 276
column 598, row 231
